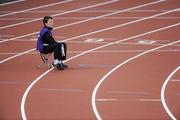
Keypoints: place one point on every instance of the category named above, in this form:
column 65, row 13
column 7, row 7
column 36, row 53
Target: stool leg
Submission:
column 44, row 58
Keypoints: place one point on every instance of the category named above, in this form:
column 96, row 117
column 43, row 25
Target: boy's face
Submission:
column 50, row 23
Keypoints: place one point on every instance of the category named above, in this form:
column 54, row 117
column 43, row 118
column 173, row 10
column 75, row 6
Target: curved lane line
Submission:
column 93, row 100
column 40, row 77
column 163, row 94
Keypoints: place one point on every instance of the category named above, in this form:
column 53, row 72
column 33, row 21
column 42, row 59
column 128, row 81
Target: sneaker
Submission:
column 60, row 66
column 64, row 65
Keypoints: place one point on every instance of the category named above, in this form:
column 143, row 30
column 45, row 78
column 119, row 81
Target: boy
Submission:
column 47, row 44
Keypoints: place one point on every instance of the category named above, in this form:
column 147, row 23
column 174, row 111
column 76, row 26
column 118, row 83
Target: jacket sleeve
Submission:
column 48, row 39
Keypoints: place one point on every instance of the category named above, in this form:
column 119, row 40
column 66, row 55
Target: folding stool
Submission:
column 44, row 58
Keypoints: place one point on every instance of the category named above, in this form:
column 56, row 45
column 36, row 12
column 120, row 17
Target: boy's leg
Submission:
column 60, row 50
column 57, row 54
column 63, row 51
column 63, row 54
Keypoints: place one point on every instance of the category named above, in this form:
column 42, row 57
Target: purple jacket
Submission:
column 39, row 46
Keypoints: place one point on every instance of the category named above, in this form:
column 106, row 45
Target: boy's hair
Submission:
column 46, row 18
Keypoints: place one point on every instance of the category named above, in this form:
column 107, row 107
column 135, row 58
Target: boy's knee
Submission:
column 64, row 44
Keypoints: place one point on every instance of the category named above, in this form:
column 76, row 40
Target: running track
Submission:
column 123, row 58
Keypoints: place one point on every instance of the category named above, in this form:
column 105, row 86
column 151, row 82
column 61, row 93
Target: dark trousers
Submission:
column 59, row 49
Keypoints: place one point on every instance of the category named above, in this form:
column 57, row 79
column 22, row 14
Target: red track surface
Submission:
column 118, row 77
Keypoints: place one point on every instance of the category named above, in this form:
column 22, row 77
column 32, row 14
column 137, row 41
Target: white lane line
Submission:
column 6, row 36
column 105, row 100
column 150, row 100
column 86, row 11
column 58, row 14
column 36, row 80
column 23, row 113
column 124, row 99
column 102, row 30
column 128, row 23
column 8, row 3
column 129, row 92
column 163, row 94
column 34, row 38
column 26, row 10
column 60, row 90
column 22, row 36
column 101, row 51
column 88, row 51
column 156, row 44
column 14, row 56
column 13, row 82
column 123, row 43
column 79, row 18
column 93, row 100
column 95, row 65
column 116, row 99
column 27, row 91
column 174, row 80
column 167, row 27
column 20, row 52
column 152, row 40
column 174, row 25
column 94, row 19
